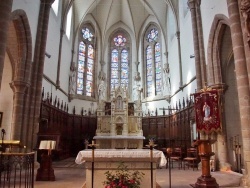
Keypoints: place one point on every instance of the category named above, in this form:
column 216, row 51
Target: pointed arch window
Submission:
column 153, row 62
column 86, row 62
column 119, row 66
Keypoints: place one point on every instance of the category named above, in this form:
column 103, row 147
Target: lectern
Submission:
column 205, row 152
column 46, row 171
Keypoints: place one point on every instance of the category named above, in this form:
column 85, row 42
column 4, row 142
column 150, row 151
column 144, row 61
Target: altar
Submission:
column 119, row 122
column 109, row 159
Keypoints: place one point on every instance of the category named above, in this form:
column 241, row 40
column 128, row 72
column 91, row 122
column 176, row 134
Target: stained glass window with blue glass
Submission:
column 90, row 67
column 120, row 40
column 153, row 35
column 81, row 62
column 149, row 71
column 124, row 68
column 87, row 34
column 158, row 82
column 114, row 68
column 86, row 55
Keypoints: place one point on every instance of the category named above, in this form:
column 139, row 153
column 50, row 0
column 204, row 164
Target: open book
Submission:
column 47, row 144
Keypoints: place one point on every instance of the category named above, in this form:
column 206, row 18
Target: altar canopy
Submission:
column 207, row 111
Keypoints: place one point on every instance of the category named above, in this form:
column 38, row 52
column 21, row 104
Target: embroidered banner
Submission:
column 207, row 111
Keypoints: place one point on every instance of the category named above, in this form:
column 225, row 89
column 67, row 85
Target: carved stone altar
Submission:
column 119, row 123
column 109, row 159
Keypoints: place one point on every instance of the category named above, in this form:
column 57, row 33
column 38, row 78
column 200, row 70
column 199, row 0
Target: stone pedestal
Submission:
column 45, row 172
column 205, row 152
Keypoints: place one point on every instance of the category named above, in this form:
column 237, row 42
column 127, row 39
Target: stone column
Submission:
column 5, row 11
column 245, row 23
column 19, row 90
column 59, row 60
column 192, row 6
column 179, row 54
column 38, row 65
column 242, row 79
column 201, row 43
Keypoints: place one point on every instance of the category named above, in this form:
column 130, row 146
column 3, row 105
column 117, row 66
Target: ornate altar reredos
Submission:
column 119, row 122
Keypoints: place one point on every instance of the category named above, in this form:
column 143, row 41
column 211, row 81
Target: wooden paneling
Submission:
column 172, row 130
column 69, row 130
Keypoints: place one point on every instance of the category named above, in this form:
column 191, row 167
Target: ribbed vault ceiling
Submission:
column 131, row 13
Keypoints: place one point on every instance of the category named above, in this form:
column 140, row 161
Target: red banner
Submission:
column 207, row 111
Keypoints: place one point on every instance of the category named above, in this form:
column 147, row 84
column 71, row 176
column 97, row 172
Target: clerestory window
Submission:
column 86, row 62
column 120, row 58
column 153, row 62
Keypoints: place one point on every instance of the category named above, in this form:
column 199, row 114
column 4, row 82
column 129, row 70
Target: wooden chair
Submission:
column 177, row 156
column 192, row 159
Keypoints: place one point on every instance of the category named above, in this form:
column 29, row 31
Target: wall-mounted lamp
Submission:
column 47, row 55
column 192, row 56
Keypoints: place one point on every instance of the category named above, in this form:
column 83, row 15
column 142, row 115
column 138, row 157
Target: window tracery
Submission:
column 120, row 57
column 86, row 62
column 153, row 62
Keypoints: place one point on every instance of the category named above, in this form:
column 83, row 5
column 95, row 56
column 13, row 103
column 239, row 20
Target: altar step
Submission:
column 69, row 175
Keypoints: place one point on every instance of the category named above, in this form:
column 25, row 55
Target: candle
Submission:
column 93, row 142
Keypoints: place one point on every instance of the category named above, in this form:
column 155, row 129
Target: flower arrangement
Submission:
column 123, row 178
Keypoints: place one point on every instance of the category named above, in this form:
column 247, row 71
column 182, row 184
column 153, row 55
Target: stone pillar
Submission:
column 201, row 43
column 19, row 89
column 222, row 154
column 179, row 54
column 59, row 59
column 245, row 12
column 5, row 11
column 242, row 80
column 192, row 6
column 38, row 65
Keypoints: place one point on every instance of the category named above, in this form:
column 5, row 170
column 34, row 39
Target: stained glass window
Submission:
column 86, row 62
column 149, row 70
column 119, row 67
column 153, row 35
column 114, row 68
column 153, row 62
column 124, row 68
column 158, row 68
column 120, row 40
column 87, row 34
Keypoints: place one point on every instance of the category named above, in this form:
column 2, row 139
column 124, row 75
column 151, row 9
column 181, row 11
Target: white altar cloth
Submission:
column 125, row 154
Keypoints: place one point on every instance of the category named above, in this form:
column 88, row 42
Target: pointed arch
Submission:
column 153, row 61
column 86, row 61
column 19, row 48
column 214, row 65
column 120, row 59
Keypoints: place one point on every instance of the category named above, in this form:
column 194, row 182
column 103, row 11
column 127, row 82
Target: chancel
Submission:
column 121, row 73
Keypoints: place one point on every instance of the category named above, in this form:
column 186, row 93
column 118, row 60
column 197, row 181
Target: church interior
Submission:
column 127, row 75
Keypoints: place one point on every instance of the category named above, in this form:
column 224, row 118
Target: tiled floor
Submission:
column 70, row 175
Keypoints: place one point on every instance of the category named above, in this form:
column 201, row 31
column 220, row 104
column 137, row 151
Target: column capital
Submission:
column 192, row 4
column 19, row 86
column 177, row 34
